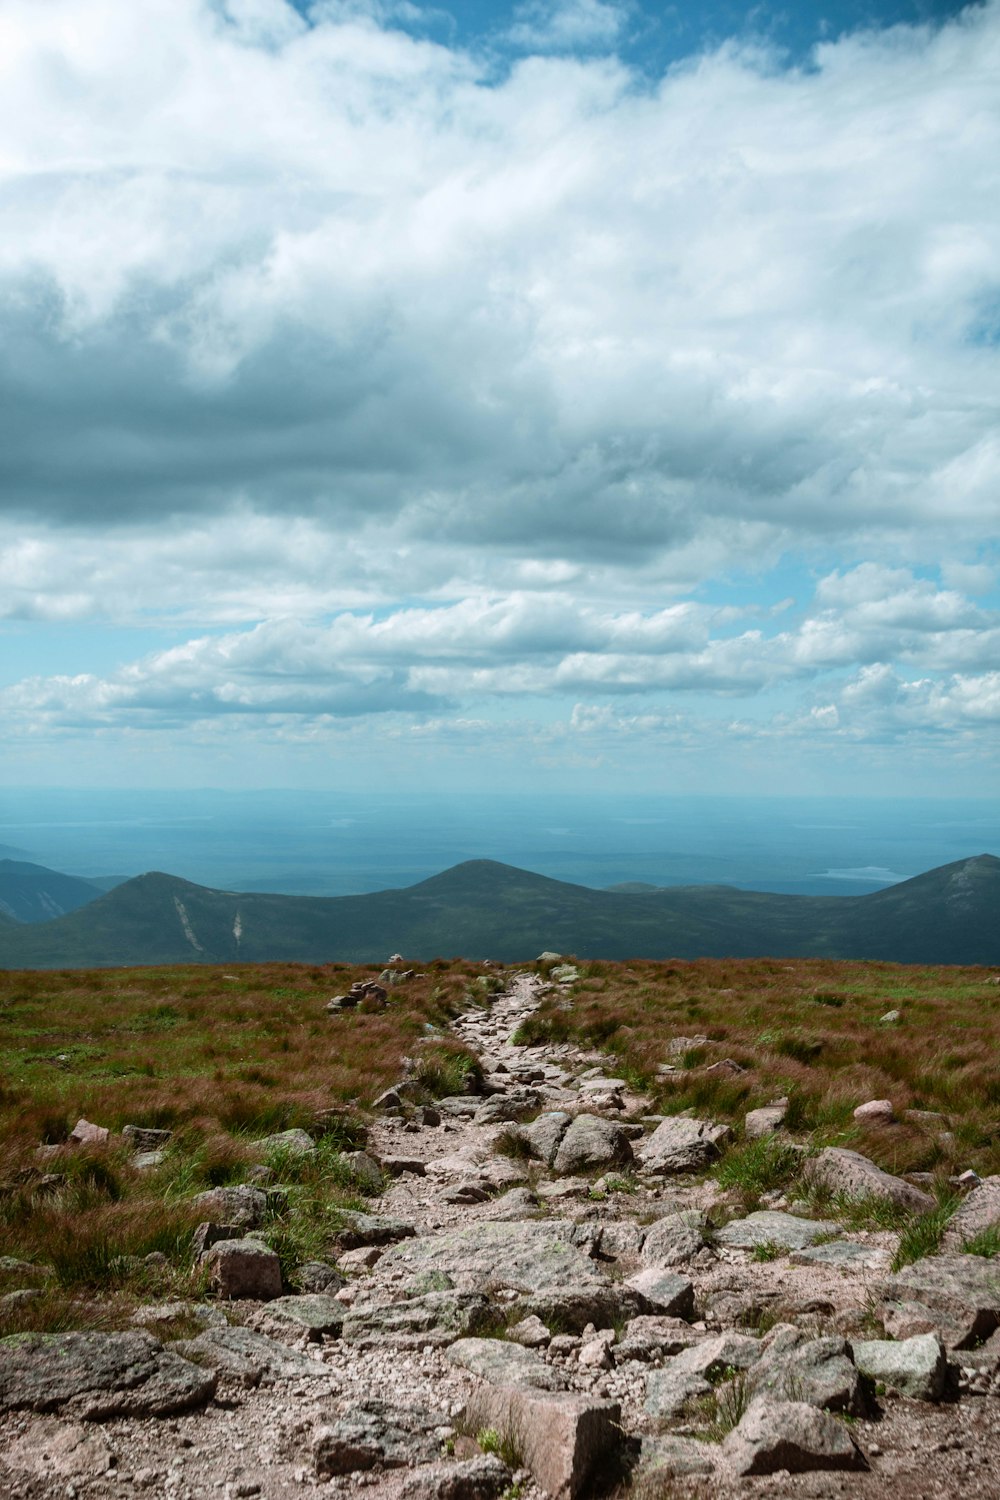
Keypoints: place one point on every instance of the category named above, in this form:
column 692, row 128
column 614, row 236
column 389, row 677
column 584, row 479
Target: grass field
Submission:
column 809, row 1030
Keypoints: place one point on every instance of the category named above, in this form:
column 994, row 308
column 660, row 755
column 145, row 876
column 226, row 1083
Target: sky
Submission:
column 570, row 394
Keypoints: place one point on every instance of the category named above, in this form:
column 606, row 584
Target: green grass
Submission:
column 922, row 1235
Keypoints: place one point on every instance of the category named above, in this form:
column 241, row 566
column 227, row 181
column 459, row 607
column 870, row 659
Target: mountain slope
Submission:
column 31, row 893
column 483, row 909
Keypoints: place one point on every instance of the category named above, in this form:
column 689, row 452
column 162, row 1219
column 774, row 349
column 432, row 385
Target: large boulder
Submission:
column 96, row 1376
column 820, row 1372
column 436, row 1317
column 248, row 1357
column 564, row 1439
column 592, row 1141
column 979, row 1212
column 792, row 1435
column 682, row 1145
column 243, row 1268
column 957, row 1295
column 855, row 1176
column 675, row 1239
column 914, row 1367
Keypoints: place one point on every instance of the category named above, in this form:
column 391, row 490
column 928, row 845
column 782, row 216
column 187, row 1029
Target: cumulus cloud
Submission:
column 403, row 384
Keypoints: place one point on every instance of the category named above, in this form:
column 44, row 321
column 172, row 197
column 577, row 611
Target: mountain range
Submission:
column 482, row 909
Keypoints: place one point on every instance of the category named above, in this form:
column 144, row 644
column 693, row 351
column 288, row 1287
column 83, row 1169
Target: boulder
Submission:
column 979, row 1212
column 437, row 1318
column 96, row 1376
column 662, row 1292
column 316, row 1313
column 505, row 1107
column 483, row 1478
column 144, row 1138
column 853, row 1175
column 242, row 1205
column 243, row 1268
column 791, row 1435
column 649, row 1337
column 682, row 1145
column 957, row 1295
column 294, row 1142
column 365, row 1170
column 503, row 1363
column 669, row 1391
column 820, row 1372
column 675, row 1239
column 669, row 1457
column 770, row 1228
column 531, row 1332
column 876, row 1112
column 358, row 1229
column 86, row 1134
column 545, row 1134
column 758, row 1123
column 374, row 1433
column 248, row 1357
column 317, row 1276
column 564, row 1439
column 590, row 1142
column 915, row 1367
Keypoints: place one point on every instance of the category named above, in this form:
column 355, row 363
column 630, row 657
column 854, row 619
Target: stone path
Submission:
column 556, row 1289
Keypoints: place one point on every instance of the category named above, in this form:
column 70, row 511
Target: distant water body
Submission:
column 327, row 843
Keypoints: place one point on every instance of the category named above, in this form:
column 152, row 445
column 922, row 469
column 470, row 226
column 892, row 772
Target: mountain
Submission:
column 483, row 909
column 31, row 893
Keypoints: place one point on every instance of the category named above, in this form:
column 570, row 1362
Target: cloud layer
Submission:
column 398, row 383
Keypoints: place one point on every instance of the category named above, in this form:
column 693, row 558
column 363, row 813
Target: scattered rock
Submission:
column 820, row 1372
column 244, row 1268
column 145, row 1138
column 242, row 1205
column 876, row 1112
column 503, row 1363
column 914, row 1367
column 979, row 1212
column 663, row 1293
column 791, row 1435
column 675, row 1239
column 769, row 1228
column 86, row 1134
column 591, row 1141
column 483, row 1478
column 376, row 1433
column 65, row 1450
column 682, row 1145
column 956, row 1295
column 852, row 1174
column 531, row 1332
column 765, row 1121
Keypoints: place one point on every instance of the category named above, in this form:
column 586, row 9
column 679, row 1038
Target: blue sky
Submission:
column 570, row 393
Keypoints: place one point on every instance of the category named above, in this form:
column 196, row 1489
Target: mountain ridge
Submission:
column 481, row 907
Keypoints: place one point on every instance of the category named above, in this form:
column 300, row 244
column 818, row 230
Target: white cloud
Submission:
column 567, row 25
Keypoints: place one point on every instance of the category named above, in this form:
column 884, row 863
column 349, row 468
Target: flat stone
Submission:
column 483, row 1478
column 358, row 1229
column 564, row 1439
column 682, row 1145
column 249, row 1357
column 915, row 1367
column 316, row 1312
column 374, row 1433
column 437, row 1318
column 961, row 1294
column 530, row 1258
column 855, row 1176
column 790, row 1435
column 591, row 1142
column 768, row 1227
column 847, row 1254
column 96, row 1376
column 504, row 1363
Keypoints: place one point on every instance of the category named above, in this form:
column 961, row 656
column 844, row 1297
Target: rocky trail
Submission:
column 552, row 1294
